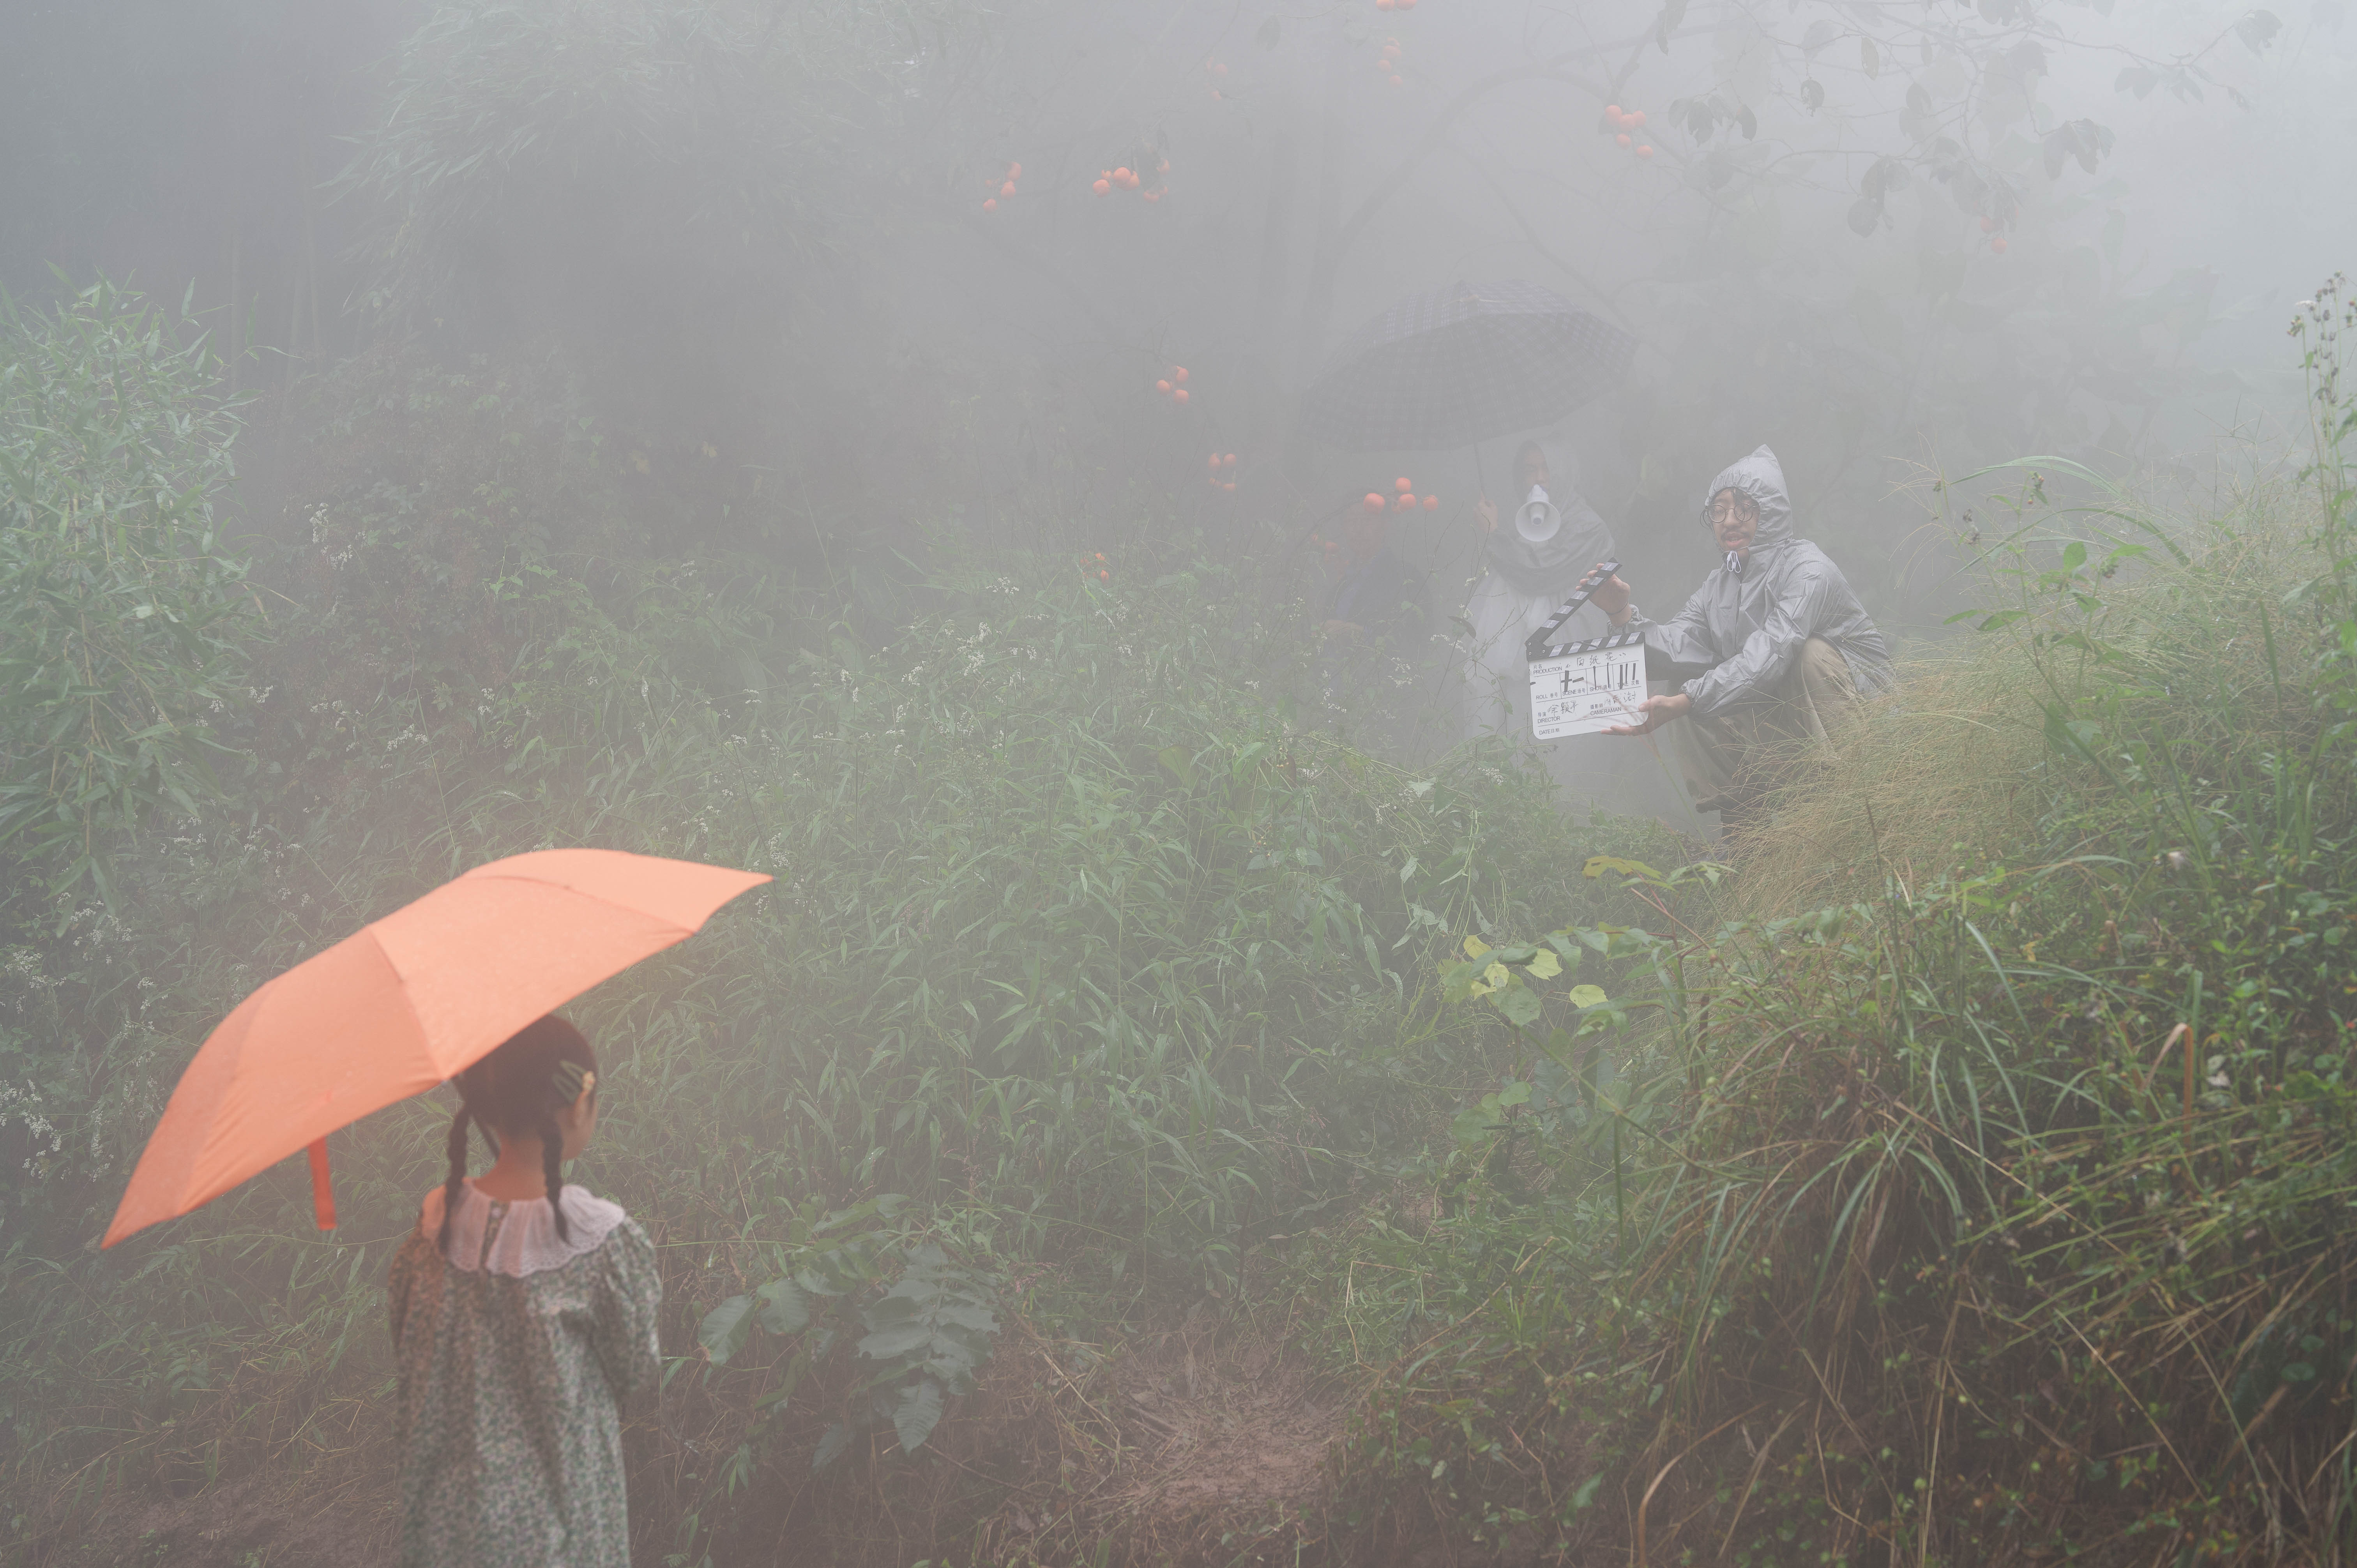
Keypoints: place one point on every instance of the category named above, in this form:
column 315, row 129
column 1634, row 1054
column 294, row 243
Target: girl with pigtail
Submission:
column 524, row 1313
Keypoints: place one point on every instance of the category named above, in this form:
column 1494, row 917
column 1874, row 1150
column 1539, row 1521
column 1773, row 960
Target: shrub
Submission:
column 124, row 620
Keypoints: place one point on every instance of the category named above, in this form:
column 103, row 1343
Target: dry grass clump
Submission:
column 2161, row 625
column 1941, row 771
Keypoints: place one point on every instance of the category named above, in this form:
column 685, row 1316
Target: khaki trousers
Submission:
column 1728, row 759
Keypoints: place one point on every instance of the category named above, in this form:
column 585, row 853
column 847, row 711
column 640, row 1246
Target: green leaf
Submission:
column 896, row 1340
column 726, row 1328
column 1544, row 965
column 1585, row 997
column 1520, row 1004
column 1598, row 864
column 831, row 1445
column 918, row 1411
column 784, row 1308
column 1471, row 1125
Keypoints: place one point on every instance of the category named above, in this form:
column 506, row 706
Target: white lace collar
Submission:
column 522, row 1234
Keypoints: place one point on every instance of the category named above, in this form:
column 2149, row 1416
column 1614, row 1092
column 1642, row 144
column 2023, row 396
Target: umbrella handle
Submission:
column 323, row 1191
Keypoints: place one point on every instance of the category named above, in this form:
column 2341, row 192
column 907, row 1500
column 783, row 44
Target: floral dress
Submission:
column 515, row 1353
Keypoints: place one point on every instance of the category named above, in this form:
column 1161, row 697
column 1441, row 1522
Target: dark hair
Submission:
column 517, row 1089
column 1525, row 449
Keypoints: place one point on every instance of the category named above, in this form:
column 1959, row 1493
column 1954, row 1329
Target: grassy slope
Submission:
column 1982, row 1185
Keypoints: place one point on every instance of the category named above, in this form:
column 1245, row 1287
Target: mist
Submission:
column 877, row 448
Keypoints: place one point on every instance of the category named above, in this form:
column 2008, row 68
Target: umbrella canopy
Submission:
column 403, row 1004
column 1460, row 364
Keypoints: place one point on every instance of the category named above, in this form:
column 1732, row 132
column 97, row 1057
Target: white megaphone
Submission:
column 1538, row 519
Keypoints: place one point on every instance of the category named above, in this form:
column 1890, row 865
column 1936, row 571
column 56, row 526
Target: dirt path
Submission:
column 1176, row 1445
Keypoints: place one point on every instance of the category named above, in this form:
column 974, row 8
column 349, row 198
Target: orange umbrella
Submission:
column 403, row 1004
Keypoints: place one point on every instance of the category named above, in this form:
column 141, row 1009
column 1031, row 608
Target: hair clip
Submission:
column 570, row 1079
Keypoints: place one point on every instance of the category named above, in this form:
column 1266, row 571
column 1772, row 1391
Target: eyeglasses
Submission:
column 1725, row 507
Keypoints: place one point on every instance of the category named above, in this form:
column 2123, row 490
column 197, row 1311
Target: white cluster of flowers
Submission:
column 21, row 1108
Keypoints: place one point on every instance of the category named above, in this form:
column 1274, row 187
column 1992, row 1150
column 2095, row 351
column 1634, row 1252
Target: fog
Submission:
column 774, row 433
column 764, row 228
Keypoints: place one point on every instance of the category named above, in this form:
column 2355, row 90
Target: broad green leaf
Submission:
column 918, row 1411
column 896, row 1340
column 1521, row 1007
column 1585, row 997
column 784, row 1308
column 726, row 1328
column 831, row 1445
column 1544, row 965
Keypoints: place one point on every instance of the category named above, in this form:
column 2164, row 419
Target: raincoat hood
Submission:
column 1762, row 478
column 1743, row 629
column 1557, row 566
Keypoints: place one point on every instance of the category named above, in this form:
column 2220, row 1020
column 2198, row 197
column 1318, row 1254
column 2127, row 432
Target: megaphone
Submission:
column 1538, row 521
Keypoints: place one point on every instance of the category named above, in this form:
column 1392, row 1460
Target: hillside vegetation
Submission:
column 1960, row 1175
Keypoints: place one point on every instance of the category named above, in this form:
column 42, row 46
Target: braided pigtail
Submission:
column 552, row 1167
column 456, row 1183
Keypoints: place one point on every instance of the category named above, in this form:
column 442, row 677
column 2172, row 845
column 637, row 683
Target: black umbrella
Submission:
column 1453, row 365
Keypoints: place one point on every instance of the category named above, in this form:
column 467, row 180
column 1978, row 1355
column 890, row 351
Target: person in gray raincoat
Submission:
column 1773, row 645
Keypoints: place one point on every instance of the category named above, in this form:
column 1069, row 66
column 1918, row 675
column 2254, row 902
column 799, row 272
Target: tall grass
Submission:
column 1998, row 1209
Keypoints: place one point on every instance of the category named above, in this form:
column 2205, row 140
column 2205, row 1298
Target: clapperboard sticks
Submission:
column 1542, row 643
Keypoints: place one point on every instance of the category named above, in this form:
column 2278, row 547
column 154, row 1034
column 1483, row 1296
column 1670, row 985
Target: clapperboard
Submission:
column 1580, row 688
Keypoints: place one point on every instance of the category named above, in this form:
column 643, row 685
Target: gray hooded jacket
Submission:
column 1746, row 625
